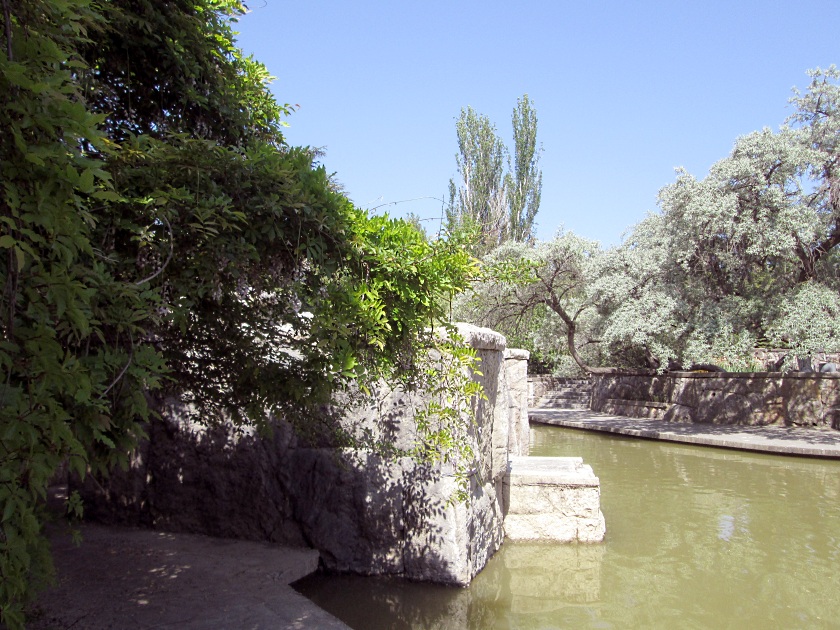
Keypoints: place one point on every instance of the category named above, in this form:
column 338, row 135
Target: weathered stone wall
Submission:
column 364, row 513
column 754, row 398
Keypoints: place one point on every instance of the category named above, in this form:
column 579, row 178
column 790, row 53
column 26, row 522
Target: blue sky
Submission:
column 624, row 91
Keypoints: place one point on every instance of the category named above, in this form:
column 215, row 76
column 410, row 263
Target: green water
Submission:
column 696, row 538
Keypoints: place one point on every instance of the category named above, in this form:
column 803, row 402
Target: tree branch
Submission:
column 168, row 258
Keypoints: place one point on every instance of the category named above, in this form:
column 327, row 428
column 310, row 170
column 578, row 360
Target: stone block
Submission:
column 516, row 369
column 553, row 498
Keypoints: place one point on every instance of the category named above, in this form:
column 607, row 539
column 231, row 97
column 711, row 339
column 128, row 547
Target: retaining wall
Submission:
column 753, row 398
column 363, row 513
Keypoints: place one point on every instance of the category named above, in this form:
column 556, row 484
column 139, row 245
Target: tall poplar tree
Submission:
column 524, row 178
column 500, row 206
column 479, row 201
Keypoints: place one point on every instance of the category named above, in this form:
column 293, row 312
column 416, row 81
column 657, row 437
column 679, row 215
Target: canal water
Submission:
column 697, row 537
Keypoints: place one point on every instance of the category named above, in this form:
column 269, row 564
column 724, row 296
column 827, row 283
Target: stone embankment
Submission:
column 363, row 512
column 797, row 399
column 349, row 510
column 786, row 414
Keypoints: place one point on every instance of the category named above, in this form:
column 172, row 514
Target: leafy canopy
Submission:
column 160, row 237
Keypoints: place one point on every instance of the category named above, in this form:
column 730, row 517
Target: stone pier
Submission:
column 555, row 499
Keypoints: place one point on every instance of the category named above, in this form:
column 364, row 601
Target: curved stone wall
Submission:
column 750, row 398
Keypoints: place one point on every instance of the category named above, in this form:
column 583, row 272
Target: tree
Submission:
column 524, row 178
column 161, row 236
column 499, row 206
column 531, row 293
column 478, row 203
column 729, row 256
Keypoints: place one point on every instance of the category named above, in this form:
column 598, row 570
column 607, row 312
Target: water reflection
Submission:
column 696, row 538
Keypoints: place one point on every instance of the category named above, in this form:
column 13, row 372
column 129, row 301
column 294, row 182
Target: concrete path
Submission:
column 766, row 439
column 142, row 579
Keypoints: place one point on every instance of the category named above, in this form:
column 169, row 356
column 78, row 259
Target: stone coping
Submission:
column 517, row 353
column 653, row 374
column 638, row 403
column 554, row 471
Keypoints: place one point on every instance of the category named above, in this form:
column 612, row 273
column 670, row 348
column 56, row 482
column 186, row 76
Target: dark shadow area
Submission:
column 365, row 512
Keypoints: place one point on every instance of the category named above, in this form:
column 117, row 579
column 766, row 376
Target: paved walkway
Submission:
column 766, row 439
column 141, row 579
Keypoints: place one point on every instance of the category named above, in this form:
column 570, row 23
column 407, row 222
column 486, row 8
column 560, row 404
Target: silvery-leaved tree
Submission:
column 734, row 251
column 539, row 297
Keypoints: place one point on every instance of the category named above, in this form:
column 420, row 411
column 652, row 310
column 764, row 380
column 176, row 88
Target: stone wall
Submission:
column 364, row 513
column 753, row 398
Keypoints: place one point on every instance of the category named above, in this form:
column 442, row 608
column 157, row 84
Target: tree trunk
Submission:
column 571, row 331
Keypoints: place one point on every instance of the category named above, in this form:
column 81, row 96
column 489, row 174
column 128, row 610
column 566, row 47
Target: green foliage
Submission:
column 159, row 236
column 497, row 206
column 71, row 376
column 446, row 430
column 538, row 296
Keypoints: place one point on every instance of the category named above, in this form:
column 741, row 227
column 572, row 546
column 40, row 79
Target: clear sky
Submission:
column 624, row 91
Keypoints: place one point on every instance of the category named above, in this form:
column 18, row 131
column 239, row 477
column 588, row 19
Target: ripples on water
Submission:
column 696, row 538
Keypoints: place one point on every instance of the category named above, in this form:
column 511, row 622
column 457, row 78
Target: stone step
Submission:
column 577, row 405
column 567, row 396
